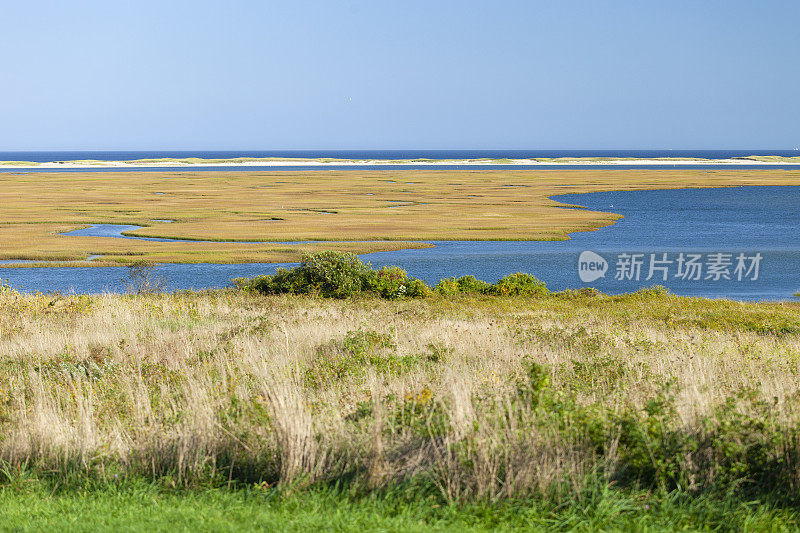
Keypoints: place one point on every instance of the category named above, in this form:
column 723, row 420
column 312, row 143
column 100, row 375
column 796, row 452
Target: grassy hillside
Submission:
column 557, row 411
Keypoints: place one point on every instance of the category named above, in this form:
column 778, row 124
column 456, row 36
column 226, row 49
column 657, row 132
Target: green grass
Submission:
column 139, row 506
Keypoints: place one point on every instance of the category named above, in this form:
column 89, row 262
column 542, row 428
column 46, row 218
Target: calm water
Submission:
column 381, row 154
column 739, row 220
column 701, row 222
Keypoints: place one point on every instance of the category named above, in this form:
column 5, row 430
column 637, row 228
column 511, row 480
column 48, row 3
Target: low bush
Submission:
column 337, row 275
column 343, row 275
column 519, row 284
column 462, row 285
column 332, row 274
column 392, row 282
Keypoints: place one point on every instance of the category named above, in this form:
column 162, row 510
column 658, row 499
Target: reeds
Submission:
column 482, row 398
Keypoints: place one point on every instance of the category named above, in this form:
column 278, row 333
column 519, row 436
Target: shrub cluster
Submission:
column 343, row 275
column 337, row 275
column 392, row 282
column 519, row 284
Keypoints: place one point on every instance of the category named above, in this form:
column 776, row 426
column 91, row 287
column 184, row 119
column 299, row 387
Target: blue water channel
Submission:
column 741, row 242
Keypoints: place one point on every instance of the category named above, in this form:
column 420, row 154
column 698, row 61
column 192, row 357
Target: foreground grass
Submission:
column 142, row 507
column 276, row 209
column 563, row 411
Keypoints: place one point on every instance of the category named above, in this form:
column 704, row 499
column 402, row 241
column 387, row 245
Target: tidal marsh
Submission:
column 388, row 209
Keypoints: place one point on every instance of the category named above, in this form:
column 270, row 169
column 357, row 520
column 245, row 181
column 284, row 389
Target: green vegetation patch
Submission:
column 337, row 275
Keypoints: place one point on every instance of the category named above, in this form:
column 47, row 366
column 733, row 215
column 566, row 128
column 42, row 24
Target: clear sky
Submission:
column 406, row 74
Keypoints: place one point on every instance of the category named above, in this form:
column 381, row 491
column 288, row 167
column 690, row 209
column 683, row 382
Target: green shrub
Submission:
column 446, row 287
column 343, row 274
column 462, row 285
column 282, row 282
column 263, row 284
column 332, row 274
column 470, row 284
column 351, row 357
column 392, row 282
column 329, row 274
column 337, row 275
column 285, row 281
column 519, row 284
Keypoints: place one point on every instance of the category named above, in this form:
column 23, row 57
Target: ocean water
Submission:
column 711, row 227
column 50, row 156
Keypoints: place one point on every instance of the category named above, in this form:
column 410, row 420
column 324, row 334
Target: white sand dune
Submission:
column 382, row 162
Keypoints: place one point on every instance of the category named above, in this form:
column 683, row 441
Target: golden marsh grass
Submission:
column 390, row 208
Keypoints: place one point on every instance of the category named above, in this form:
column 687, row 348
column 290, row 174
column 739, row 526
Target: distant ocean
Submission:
column 50, row 156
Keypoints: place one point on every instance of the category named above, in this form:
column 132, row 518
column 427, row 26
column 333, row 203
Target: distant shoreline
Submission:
column 323, row 162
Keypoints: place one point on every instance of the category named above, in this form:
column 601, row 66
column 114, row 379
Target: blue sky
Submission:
column 399, row 75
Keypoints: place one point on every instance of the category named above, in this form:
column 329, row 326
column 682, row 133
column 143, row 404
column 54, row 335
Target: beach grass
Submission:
column 19, row 163
column 390, row 209
column 771, row 159
column 559, row 411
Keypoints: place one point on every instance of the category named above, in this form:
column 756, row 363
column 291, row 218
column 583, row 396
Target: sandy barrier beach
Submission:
column 322, row 162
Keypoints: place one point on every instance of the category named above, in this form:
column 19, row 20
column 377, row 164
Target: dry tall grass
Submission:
column 231, row 387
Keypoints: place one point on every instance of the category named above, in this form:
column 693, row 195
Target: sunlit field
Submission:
column 473, row 411
column 390, row 208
